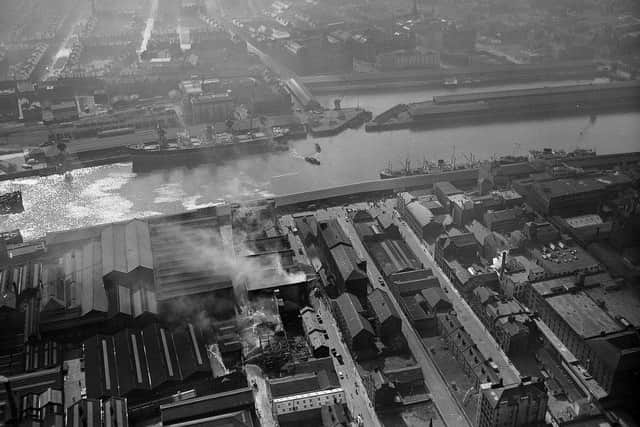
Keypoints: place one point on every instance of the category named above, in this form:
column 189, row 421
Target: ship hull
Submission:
column 148, row 160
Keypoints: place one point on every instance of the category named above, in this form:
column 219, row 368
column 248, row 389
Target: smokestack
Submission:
column 503, row 263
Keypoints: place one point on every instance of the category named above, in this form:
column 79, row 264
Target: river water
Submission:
column 112, row 193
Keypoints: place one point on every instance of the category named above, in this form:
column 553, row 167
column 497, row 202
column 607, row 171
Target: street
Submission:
column 354, row 390
column 471, row 323
column 263, row 399
column 451, row 413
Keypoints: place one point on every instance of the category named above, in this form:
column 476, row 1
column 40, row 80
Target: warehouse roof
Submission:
column 333, row 234
column 435, row 297
column 583, row 315
column 446, row 188
column 518, row 93
column 420, row 213
column 568, row 187
column 347, row 262
column 382, row 306
column 294, row 384
column 126, row 247
column 351, row 310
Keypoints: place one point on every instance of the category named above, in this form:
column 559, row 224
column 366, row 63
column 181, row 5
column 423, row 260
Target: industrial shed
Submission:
column 389, row 324
column 357, row 330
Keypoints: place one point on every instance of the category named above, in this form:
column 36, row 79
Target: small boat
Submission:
column 11, row 203
column 450, row 82
column 312, row 160
column 318, row 149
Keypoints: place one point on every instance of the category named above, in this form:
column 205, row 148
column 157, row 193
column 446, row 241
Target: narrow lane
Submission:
column 469, row 320
column 355, row 393
column 450, row 411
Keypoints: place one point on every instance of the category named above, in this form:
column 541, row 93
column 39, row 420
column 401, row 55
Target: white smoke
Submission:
column 221, row 254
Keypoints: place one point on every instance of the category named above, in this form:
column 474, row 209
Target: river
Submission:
column 112, row 193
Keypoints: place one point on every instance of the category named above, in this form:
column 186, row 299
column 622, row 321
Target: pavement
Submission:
column 355, row 393
column 467, row 317
column 451, row 413
column 262, row 396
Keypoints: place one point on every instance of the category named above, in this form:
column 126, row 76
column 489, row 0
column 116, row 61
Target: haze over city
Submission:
column 322, row 213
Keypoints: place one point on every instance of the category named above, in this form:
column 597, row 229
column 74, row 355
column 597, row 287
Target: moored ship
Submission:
column 551, row 154
column 426, row 168
column 188, row 151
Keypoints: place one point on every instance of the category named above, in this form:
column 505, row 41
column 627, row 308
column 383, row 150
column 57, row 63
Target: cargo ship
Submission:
column 515, row 104
column 551, row 154
column 11, row 203
column 426, row 169
column 189, row 151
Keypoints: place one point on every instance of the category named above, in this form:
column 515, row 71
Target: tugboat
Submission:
column 450, row 82
column 312, row 160
column 11, row 203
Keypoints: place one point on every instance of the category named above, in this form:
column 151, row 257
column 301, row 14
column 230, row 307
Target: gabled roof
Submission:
column 463, row 240
column 333, row 234
column 347, row 262
column 362, row 215
column 382, row 306
column 420, row 213
column 484, row 294
column 350, row 309
column 434, row 297
column 126, row 247
column 92, row 294
column 446, row 188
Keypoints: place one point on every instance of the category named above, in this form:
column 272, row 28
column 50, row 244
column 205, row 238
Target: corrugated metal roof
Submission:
column 126, row 247
column 92, row 293
column 420, row 213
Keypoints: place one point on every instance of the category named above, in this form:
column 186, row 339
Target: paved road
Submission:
column 264, row 407
column 472, row 324
column 355, row 393
column 451, row 413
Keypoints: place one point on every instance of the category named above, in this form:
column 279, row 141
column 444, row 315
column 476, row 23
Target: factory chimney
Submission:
column 503, row 264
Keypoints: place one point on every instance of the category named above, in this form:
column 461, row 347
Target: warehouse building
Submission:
column 356, row 329
column 388, row 323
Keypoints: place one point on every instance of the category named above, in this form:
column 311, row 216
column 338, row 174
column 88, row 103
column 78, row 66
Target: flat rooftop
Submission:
column 624, row 302
column 583, row 315
column 564, row 260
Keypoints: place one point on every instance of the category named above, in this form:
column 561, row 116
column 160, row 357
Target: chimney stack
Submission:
column 503, row 263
